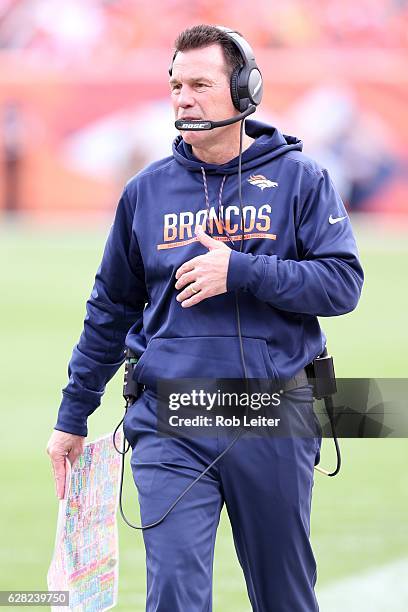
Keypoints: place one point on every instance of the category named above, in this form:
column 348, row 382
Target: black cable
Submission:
column 125, row 450
column 240, row 431
column 182, row 494
column 241, row 246
column 328, row 401
column 241, row 132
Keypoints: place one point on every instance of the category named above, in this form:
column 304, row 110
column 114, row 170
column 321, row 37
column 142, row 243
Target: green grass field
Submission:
column 359, row 518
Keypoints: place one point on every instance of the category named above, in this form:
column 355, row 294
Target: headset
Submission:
column 246, row 86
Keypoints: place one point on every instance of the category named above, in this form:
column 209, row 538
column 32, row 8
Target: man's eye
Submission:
column 175, row 87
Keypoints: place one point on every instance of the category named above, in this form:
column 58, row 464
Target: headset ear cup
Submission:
column 255, row 86
column 234, row 89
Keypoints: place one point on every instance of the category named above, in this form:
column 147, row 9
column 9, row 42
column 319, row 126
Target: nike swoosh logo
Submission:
column 332, row 220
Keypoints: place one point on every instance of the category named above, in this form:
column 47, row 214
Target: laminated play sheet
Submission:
column 86, row 556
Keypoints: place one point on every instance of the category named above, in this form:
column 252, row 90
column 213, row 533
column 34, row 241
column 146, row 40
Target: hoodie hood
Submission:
column 269, row 143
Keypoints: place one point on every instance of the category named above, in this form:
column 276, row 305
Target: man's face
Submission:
column 200, row 89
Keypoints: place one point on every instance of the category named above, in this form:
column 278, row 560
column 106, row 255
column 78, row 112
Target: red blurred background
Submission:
column 84, row 94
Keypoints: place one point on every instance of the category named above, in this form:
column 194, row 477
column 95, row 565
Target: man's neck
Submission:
column 221, row 153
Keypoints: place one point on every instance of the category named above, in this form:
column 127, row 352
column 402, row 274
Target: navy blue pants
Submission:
column 266, row 484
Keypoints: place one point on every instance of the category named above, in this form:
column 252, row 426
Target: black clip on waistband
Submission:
column 321, row 376
column 131, row 388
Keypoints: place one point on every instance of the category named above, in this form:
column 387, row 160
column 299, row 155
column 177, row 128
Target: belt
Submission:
column 298, row 380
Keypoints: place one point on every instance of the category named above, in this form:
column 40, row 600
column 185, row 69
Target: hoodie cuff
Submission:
column 245, row 271
column 71, row 417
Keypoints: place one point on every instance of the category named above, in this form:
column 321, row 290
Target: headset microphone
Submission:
column 197, row 124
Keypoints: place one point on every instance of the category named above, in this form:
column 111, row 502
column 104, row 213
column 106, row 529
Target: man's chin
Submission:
column 193, row 137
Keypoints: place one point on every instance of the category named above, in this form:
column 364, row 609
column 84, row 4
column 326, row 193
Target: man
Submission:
column 297, row 260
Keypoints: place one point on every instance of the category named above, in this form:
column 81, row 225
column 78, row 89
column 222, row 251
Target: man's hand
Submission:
column 60, row 446
column 206, row 275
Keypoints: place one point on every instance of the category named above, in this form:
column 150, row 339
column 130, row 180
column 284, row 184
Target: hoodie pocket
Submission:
column 203, row 357
column 271, row 370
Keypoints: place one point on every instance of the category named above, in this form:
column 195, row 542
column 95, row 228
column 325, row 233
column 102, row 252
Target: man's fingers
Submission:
column 193, row 290
column 73, row 455
column 186, row 278
column 60, row 486
column 192, row 301
column 60, row 446
column 59, row 469
column 187, row 266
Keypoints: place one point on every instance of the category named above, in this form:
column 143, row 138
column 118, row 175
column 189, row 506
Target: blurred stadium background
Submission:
column 83, row 106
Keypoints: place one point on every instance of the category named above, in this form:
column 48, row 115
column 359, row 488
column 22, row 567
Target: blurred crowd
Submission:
column 105, row 29
column 68, row 138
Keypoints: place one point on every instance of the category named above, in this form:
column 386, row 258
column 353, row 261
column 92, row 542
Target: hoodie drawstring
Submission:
column 220, row 207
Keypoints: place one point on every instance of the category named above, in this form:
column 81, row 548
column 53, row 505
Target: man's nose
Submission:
column 185, row 98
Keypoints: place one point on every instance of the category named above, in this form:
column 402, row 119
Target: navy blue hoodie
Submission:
column 299, row 261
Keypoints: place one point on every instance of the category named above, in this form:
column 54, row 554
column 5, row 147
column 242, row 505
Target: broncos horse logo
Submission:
column 261, row 181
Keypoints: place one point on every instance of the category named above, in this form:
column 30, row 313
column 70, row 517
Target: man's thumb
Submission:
column 206, row 240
